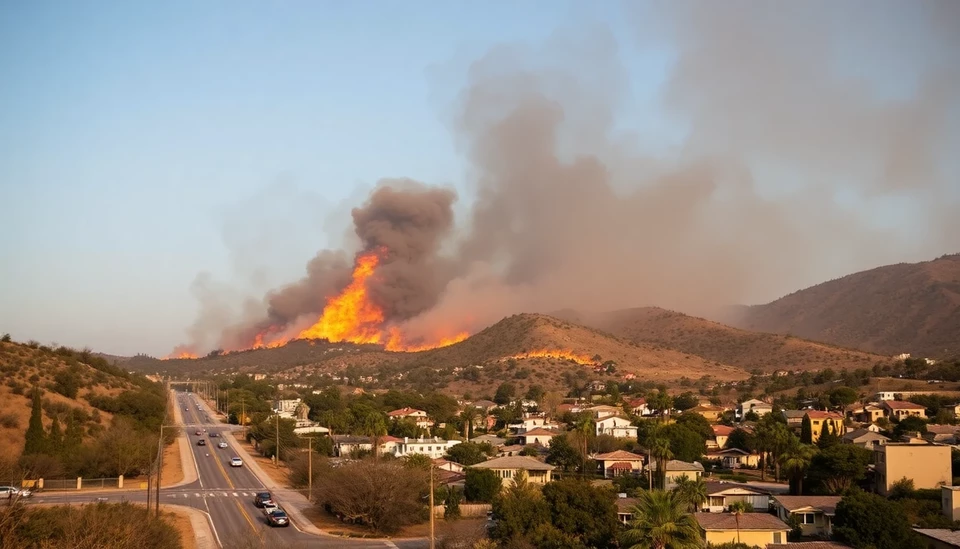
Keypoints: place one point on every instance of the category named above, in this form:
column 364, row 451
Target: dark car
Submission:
column 278, row 518
column 201, row 442
column 261, row 498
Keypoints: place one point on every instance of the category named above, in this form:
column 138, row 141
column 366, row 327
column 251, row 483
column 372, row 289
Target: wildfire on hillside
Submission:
column 351, row 316
column 180, row 353
column 561, row 354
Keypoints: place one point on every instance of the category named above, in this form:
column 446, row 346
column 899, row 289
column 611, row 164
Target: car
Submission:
column 198, row 433
column 222, row 445
column 11, row 492
column 214, row 434
column 236, row 462
column 278, row 518
column 261, row 498
column 269, row 507
column 201, row 442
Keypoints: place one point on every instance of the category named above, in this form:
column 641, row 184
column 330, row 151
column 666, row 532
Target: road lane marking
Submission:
column 246, row 516
column 196, row 494
column 235, row 494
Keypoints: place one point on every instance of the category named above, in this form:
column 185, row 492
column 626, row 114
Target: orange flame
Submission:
column 563, row 355
column 180, row 354
column 351, row 316
column 396, row 343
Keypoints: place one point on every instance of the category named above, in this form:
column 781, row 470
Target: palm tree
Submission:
column 660, row 450
column 468, row 416
column 375, row 427
column 693, row 491
column 795, row 461
column 661, row 521
column 738, row 508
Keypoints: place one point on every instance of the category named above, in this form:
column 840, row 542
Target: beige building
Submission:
column 814, row 513
column 951, row 501
column 677, row 469
column 928, row 465
column 820, row 420
column 539, row 436
column 507, row 468
column 619, row 462
column 752, row 529
column 900, row 409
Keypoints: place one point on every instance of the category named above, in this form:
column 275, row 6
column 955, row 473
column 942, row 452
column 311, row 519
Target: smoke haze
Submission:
column 803, row 126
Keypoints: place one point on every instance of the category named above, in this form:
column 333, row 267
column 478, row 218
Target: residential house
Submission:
column 532, row 422
column 710, row 412
column 884, row 396
column 388, row 445
column 720, row 435
column 625, row 507
column 286, row 405
column 814, row 513
column 445, row 465
column 419, row 416
column 538, row 436
column 677, row 469
column 512, row 450
column 484, row 405
column 870, row 413
column 928, row 465
column 616, row 426
column 950, row 495
column 507, row 468
column 492, row 440
column 938, row 538
column 721, row 494
column 572, row 408
column 734, row 458
column 947, row 434
column 820, row 421
column 639, row 407
column 758, row 407
column 346, row 445
column 604, row 411
column 750, row 529
column 619, row 462
column 794, row 418
column 865, row 438
column 900, row 409
column 433, row 447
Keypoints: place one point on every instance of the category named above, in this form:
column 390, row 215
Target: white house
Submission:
column 419, row 416
column 639, row 407
column 538, row 436
column 721, row 494
column 434, row 447
column 758, row 407
column 616, row 426
column 604, row 411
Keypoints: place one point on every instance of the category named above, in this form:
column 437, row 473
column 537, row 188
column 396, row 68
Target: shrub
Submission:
column 9, row 421
column 118, row 526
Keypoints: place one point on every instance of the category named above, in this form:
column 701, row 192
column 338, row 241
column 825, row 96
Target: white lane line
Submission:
column 235, row 494
column 391, row 544
column 226, row 494
column 196, row 494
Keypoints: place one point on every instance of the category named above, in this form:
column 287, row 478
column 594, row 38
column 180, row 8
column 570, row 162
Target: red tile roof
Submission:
column 618, row 455
column 403, row 412
column 539, row 432
column 621, row 465
column 902, row 405
column 722, row 430
column 819, row 414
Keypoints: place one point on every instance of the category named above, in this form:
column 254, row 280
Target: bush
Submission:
column 118, row 526
column 481, row 485
column 9, row 421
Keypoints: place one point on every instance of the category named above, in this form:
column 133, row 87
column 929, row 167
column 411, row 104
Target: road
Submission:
column 226, row 493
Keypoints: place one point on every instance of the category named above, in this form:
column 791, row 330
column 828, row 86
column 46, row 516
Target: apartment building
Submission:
column 928, row 465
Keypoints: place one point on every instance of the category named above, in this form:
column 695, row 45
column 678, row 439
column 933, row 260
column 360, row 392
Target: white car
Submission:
column 222, row 445
column 236, row 462
column 11, row 492
column 269, row 508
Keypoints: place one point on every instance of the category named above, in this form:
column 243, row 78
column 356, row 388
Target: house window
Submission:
column 776, row 537
column 806, row 518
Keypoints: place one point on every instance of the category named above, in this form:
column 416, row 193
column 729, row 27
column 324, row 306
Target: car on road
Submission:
column 214, row 435
column 198, row 433
column 236, row 462
column 11, row 492
column 222, row 445
column 269, row 507
column 201, row 442
column 262, row 498
column 278, row 518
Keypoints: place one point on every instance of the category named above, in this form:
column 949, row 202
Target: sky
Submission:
column 144, row 143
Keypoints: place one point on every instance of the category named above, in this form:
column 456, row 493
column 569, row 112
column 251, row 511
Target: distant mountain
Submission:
column 904, row 308
column 721, row 343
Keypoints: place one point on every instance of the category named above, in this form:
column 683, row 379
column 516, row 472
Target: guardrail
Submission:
column 73, row 484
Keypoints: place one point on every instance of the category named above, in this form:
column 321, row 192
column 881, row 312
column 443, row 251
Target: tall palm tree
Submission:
column 375, row 427
column 660, row 450
column 693, row 491
column 738, row 508
column 661, row 521
column 468, row 416
column 795, row 461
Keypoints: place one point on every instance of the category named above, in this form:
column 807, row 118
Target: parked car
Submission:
column 262, row 498
column 222, row 444
column 269, row 507
column 278, row 518
column 236, row 462
column 201, row 442
column 11, row 492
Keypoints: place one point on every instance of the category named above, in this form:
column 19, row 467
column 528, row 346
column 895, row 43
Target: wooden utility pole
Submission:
column 276, row 453
column 431, row 507
column 310, row 469
column 159, row 469
column 149, row 490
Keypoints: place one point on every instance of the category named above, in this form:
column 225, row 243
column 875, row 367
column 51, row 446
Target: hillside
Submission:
column 904, row 308
column 68, row 379
column 718, row 342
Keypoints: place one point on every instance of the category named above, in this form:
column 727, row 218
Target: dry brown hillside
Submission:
column 67, row 380
column 721, row 343
column 904, row 308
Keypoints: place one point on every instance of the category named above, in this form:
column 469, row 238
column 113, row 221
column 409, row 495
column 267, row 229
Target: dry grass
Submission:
column 905, row 308
column 180, row 519
column 172, row 465
column 724, row 344
column 457, row 529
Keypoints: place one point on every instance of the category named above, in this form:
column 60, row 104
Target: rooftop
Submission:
column 827, row 504
column 539, row 431
column 951, row 537
column 618, row 455
column 405, row 412
column 514, row 462
column 722, row 430
column 718, row 487
column 853, row 435
column 819, row 414
column 747, row 521
column 677, row 465
column 902, row 405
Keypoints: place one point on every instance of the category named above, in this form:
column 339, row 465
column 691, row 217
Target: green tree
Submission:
column 583, row 511
column 806, row 430
column 661, row 401
column 660, row 521
column 660, row 451
column 468, row 416
column 564, row 454
column 518, row 510
column 909, row 424
column 693, row 491
column 505, row 393
column 742, row 439
column 685, row 401
column 55, row 438
column 795, row 461
column 375, row 427
column 865, row 520
column 535, row 393
column 828, row 437
column 843, row 396
column 738, row 508
column 468, row 453
column 36, row 437
column 451, row 504
column 685, row 444
column 838, row 467
column 697, row 423
column 73, row 437
column 481, row 485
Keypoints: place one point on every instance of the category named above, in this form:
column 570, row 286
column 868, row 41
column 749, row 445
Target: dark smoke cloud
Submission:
column 792, row 156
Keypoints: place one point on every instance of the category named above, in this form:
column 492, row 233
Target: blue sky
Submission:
column 132, row 134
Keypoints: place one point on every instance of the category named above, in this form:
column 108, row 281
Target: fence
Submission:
column 467, row 510
column 74, row 484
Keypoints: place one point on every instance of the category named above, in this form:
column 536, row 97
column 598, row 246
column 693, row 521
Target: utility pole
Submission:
column 149, row 491
column 309, row 469
column 431, row 507
column 277, row 451
column 243, row 417
column 159, row 469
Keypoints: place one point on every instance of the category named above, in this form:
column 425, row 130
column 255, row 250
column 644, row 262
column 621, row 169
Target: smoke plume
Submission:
column 793, row 135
